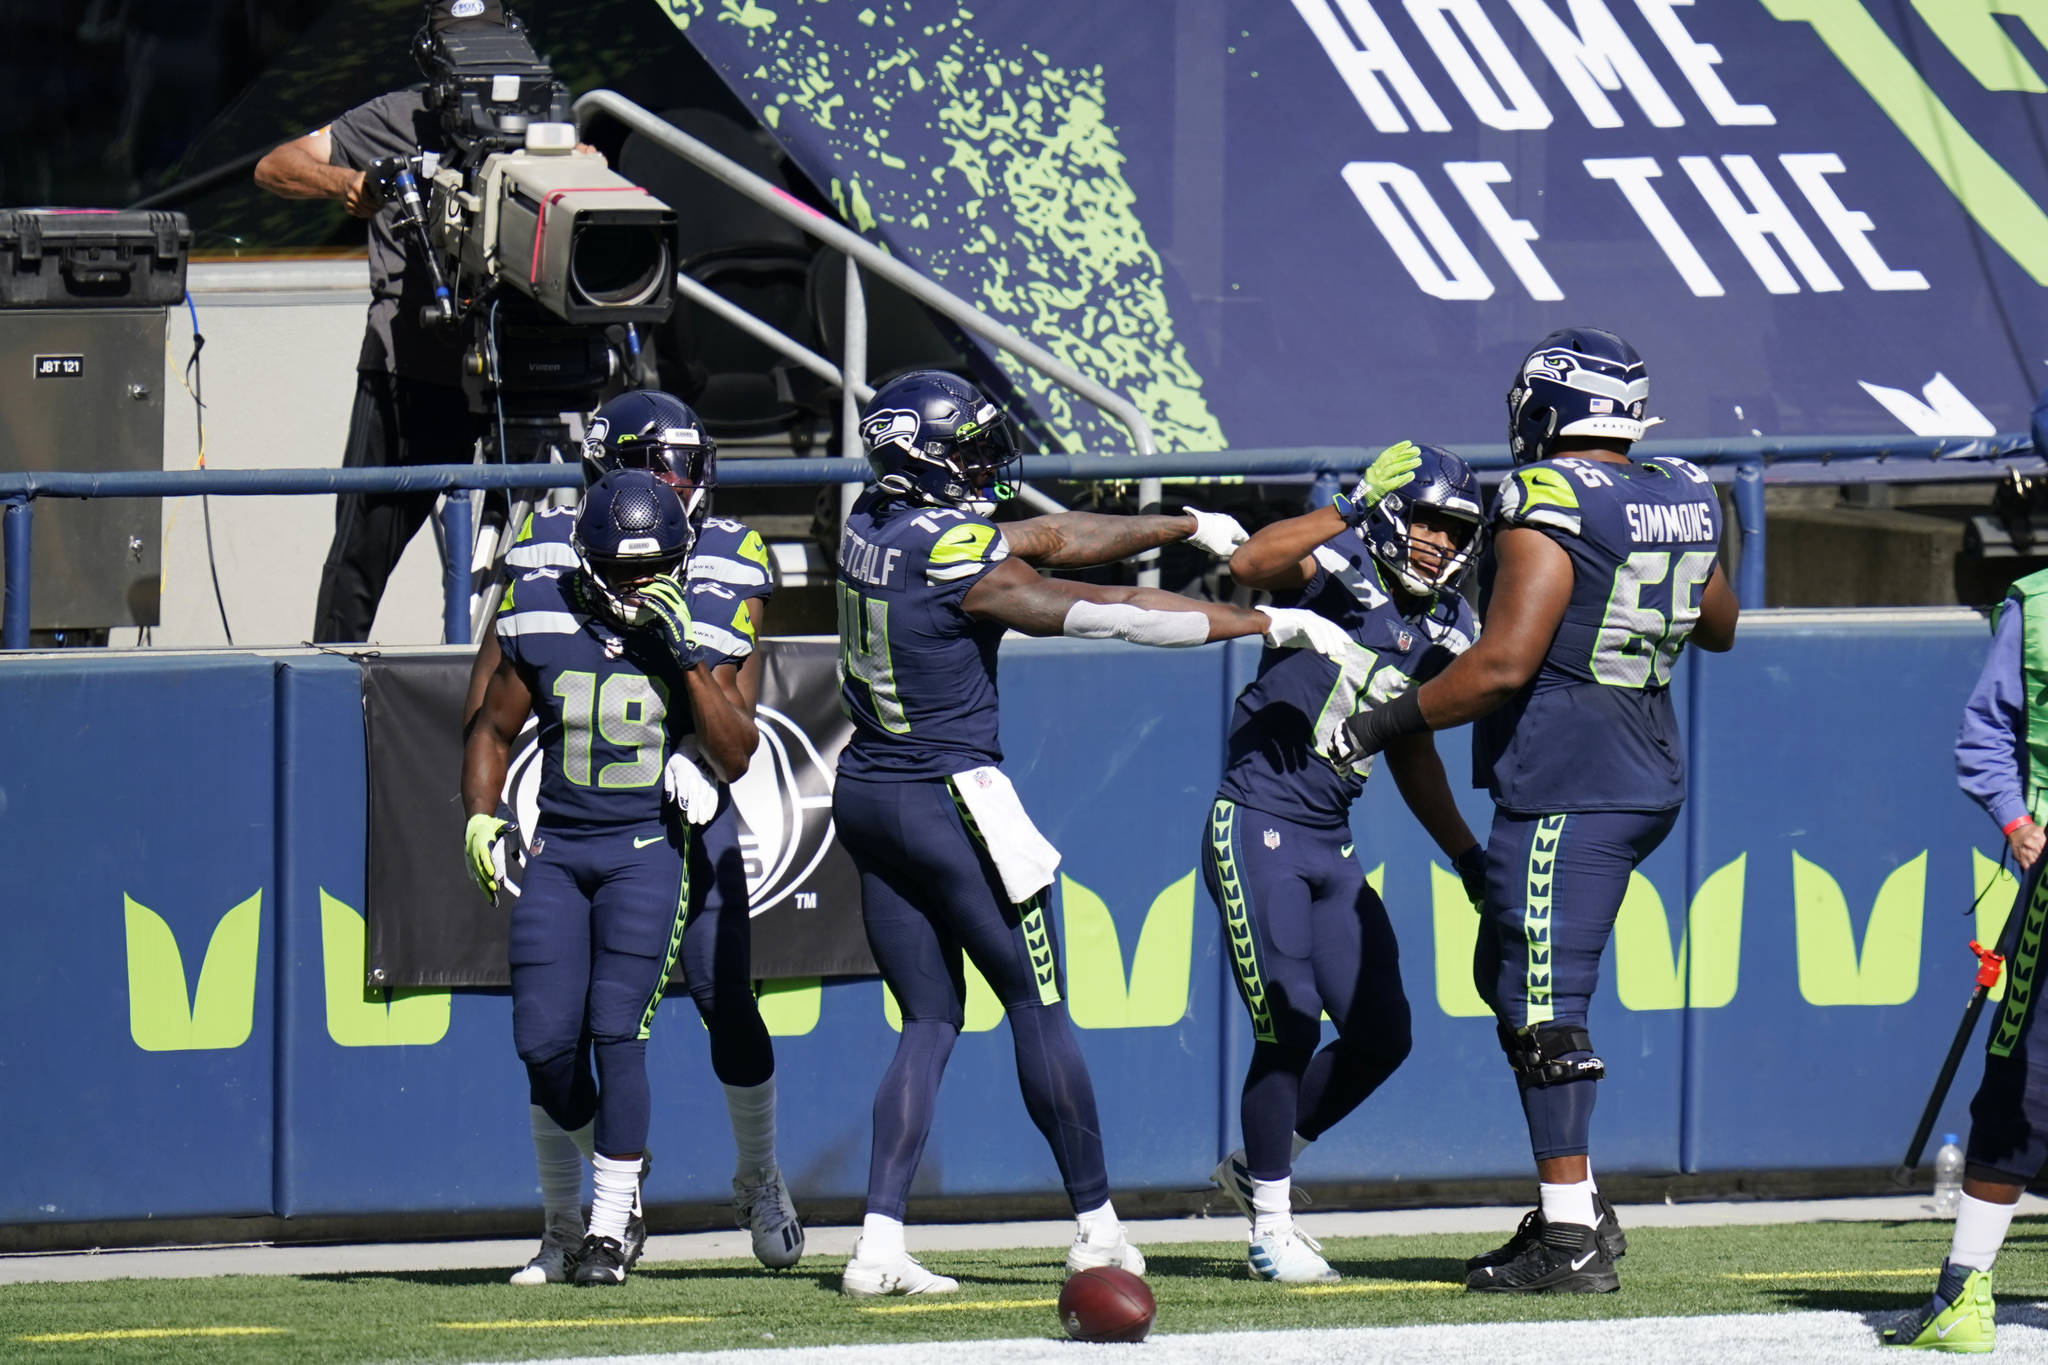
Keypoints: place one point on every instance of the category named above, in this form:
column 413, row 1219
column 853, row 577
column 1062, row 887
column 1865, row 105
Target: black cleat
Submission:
column 1566, row 1259
column 1613, row 1240
column 636, row 1222
column 602, row 1261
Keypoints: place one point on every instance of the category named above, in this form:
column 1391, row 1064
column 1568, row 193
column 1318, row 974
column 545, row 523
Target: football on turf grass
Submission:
column 1106, row 1303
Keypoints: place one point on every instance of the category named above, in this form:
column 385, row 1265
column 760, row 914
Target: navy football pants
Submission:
column 2009, row 1116
column 1306, row 937
column 929, row 895
column 630, row 881
column 1554, row 884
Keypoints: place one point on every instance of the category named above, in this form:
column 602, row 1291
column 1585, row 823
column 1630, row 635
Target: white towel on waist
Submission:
column 1023, row 857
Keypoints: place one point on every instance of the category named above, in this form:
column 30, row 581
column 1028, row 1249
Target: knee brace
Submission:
column 1537, row 1054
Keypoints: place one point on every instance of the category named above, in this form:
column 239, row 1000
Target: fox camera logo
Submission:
column 784, row 804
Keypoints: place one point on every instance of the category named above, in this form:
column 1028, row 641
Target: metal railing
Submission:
column 1748, row 465
column 850, row 376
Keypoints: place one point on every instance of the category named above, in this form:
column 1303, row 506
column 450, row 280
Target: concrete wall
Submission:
column 278, row 376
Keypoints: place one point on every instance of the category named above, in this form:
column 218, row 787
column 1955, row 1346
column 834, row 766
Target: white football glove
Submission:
column 1216, row 533
column 689, row 789
column 1297, row 628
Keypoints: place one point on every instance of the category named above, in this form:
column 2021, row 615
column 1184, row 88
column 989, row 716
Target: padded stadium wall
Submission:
column 185, row 1033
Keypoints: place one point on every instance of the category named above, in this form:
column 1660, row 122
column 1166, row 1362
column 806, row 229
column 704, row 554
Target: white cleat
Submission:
column 764, row 1209
column 892, row 1275
column 1087, row 1255
column 1235, row 1180
column 1289, row 1256
column 555, row 1262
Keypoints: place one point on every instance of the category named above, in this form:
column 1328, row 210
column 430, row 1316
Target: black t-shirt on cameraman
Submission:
column 397, row 124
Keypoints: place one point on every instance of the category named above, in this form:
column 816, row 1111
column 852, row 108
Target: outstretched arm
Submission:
column 1082, row 540
column 1532, row 588
column 1014, row 595
column 1281, row 557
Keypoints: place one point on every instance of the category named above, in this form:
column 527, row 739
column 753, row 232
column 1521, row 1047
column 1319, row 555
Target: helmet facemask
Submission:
column 1420, row 565
column 986, row 464
column 616, row 580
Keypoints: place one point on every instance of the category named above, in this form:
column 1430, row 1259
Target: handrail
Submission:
column 1749, row 462
column 871, row 257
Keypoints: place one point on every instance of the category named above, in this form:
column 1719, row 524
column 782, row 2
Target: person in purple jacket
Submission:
column 2002, row 765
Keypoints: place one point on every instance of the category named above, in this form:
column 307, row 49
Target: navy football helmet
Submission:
column 630, row 530
column 656, row 431
column 1580, row 381
column 932, row 436
column 1442, row 484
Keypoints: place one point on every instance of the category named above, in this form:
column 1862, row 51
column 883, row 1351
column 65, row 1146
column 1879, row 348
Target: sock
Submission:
column 561, row 1169
column 753, row 1126
column 1302, row 1144
column 1271, row 1210
column 617, row 1189
column 585, row 1139
column 1568, row 1203
column 881, row 1237
column 1980, row 1231
column 1099, row 1225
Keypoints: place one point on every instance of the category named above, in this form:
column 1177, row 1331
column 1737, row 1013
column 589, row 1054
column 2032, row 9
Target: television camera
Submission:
column 542, row 258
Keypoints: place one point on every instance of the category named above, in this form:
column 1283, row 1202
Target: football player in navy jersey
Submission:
column 603, row 655
column 1307, row 934
column 949, row 863
column 728, row 582
column 1604, row 567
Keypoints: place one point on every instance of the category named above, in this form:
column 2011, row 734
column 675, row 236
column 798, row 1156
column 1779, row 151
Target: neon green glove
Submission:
column 666, row 607
column 478, row 836
column 1386, row 473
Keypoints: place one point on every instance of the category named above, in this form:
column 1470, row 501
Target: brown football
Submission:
column 1106, row 1303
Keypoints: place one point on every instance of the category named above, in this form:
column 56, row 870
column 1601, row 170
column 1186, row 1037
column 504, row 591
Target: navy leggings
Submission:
column 930, row 895
column 1306, row 936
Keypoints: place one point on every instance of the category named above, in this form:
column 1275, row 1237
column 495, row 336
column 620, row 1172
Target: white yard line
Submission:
column 1810, row 1338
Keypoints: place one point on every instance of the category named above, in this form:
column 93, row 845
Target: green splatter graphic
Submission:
column 1030, row 215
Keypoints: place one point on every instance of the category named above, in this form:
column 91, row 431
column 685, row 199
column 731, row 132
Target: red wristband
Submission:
column 2021, row 820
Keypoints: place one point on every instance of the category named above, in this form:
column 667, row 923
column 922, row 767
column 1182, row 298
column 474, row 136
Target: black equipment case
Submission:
column 92, row 258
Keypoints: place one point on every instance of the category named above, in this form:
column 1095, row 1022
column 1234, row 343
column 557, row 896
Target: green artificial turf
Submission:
column 1201, row 1287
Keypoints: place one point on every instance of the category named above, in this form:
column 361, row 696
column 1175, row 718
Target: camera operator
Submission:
column 409, row 405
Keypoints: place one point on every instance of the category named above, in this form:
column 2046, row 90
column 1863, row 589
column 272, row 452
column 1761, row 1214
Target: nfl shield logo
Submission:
column 613, row 646
column 1272, row 838
column 1403, row 641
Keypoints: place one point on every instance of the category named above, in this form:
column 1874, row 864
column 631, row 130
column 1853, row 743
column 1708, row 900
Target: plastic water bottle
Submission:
column 1948, row 1177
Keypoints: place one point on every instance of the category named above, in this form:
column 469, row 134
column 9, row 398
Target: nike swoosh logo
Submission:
column 1344, row 852
column 1580, row 1264
column 656, row 839
column 1941, row 1333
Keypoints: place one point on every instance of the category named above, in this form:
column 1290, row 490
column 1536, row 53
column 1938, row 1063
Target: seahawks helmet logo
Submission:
column 891, row 427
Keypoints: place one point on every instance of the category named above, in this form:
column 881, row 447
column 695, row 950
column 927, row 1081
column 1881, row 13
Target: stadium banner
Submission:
column 1339, row 222
column 185, row 839
column 429, row 927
